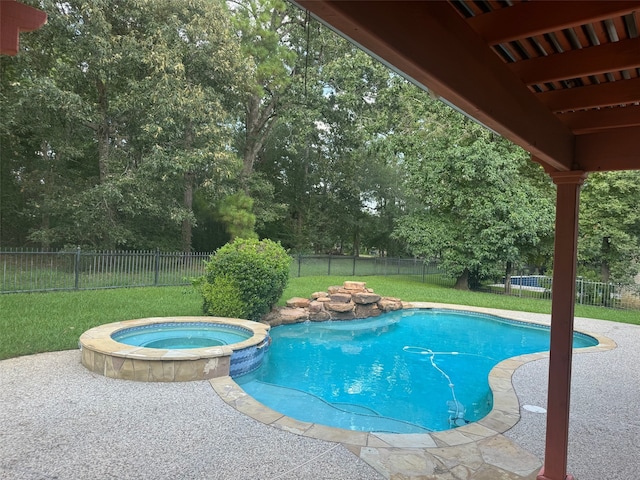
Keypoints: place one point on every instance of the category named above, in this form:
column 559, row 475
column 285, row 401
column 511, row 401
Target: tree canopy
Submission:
column 131, row 105
column 610, row 226
column 180, row 125
column 479, row 207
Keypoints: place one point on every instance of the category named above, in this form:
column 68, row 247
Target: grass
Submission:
column 43, row 322
column 412, row 289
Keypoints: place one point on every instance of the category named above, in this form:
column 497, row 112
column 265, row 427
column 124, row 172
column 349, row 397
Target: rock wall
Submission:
column 353, row 300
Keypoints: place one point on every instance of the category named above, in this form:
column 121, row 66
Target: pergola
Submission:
column 15, row 18
column 561, row 79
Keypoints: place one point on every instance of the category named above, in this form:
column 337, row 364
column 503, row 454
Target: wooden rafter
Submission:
column 535, row 18
column 592, row 96
column 590, row 121
column 615, row 149
column 609, row 57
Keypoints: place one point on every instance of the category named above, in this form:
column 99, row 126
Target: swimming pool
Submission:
column 410, row 371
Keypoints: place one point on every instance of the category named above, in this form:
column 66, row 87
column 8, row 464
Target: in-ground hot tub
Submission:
column 175, row 349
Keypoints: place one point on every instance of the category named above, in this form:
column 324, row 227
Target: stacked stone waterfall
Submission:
column 353, row 300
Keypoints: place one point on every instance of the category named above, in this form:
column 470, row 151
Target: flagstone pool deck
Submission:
column 59, row 420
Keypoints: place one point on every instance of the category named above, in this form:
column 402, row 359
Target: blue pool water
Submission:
column 181, row 335
column 410, row 371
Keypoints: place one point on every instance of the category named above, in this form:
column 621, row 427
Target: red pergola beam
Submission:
column 614, row 149
column 592, row 96
column 610, row 57
column 597, row 120
column 16, row 17
column 527, row 19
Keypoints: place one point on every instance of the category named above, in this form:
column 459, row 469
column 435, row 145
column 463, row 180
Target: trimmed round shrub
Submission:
column 222, row 298
column 257, row 269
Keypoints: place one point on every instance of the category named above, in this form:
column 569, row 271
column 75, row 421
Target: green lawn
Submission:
column 42, row 322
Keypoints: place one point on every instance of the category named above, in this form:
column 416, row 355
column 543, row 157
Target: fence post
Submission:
column 424, row 267
column 76, row 269
column 329, row 272
column 157, row 267
column 521, row 279
column 299, row 264
column 354, row 266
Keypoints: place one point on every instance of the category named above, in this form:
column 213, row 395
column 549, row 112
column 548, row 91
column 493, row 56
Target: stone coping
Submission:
column 98, row 339
column 101, row 354
column 503, row 416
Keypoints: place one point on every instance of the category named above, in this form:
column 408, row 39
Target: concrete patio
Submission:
column 58, row 420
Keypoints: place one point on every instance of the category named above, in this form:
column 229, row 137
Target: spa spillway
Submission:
column 175, row 349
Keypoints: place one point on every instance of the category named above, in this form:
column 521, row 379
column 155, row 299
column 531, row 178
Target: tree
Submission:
column 235, row 212
column 478, row 208
column 262, row 26
column 609, row 240
column 284, row 46
column 327, row 151
column 196, row 82
column 42, row 139
column 133, row 104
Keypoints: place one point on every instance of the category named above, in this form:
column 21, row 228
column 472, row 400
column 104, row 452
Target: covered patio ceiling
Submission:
column 561, row 79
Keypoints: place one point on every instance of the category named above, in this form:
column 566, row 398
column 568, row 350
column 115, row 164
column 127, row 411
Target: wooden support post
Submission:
column 562, row 310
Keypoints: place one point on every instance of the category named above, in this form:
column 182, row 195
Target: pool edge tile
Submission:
column 332, row 434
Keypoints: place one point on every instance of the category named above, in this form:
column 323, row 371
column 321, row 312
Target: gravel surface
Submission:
column 604, row 429
column 60, row 421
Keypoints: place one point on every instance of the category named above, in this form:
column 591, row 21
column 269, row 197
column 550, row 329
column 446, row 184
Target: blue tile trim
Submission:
column 248, row 359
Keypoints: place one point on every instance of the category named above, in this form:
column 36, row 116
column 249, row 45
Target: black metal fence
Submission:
column 600, row 294
column 36, row 271
column 24, row 270
column 310, row 265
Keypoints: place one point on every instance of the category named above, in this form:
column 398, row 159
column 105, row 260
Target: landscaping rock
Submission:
column 298, row 302
column 340, row 306
column 353, row 300
column 351, row 315
column 321, row 316
column 316, row 306
column 358, row 286
column 293, row 315
column 365, row 298
column 389, row 304
column 366, row 311
column 340, row 298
